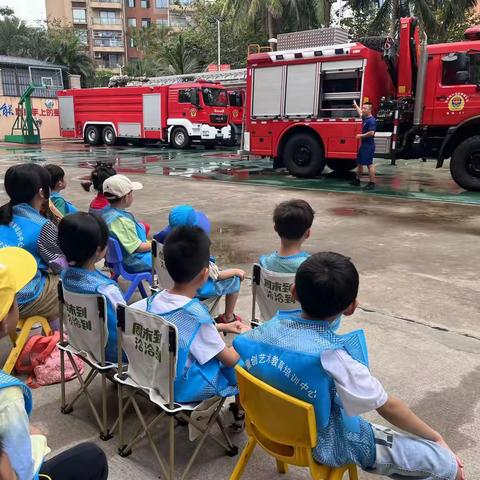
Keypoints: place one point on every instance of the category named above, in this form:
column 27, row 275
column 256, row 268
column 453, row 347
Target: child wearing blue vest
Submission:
column 57, row 184
column 83, row 238
column 292, row 221
column 23, row 446
column 220, row 282
column 22, row 225
column 122, row 225
column 204, row 367
column 298, row 353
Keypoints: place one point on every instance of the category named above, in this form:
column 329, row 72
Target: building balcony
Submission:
column 116, row 48
column 103, row 27
column 106, row 21
column 79, row 21
column 111, row 4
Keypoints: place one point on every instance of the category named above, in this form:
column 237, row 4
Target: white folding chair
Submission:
column 84, row 317
column 151, row 344
column 164, row 280
column 271, row 291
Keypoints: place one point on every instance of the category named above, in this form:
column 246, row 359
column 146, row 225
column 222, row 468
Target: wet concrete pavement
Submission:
column 419, row 292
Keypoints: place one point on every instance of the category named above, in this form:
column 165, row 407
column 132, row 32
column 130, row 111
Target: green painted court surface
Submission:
column 411, row 179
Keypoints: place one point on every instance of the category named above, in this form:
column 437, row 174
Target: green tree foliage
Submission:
column 177, row 58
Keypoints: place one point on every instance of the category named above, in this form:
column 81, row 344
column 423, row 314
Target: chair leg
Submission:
column 131, row 289
column 321, row 472
column 352, row 472
column 337, row 473
column 141, row 289
column 19, row 344
column 282, row 467
column 243, row 460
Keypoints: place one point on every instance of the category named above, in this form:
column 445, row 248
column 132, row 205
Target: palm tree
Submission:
column 297, row 14
column 390, row 12
column 177, row 58
column 13, row 33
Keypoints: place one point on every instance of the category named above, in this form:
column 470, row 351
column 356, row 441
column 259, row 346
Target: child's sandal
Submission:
column 221, row 319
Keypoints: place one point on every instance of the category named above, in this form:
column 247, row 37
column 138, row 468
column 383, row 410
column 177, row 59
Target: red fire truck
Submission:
column 426, row 99
column 236, row 100
column 178, row 114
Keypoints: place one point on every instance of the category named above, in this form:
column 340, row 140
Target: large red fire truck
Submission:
column 236, row 100
column 426, row 99
column 178, row 114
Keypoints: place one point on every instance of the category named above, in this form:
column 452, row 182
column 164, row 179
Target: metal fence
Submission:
column 15, row 80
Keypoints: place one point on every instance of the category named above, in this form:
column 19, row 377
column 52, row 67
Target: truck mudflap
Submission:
column 446, row 140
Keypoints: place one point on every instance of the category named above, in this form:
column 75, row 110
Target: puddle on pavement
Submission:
column 226, row 248
column 409, row 179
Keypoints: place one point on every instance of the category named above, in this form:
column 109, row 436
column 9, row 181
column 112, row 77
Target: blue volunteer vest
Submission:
column 285, row 352
column 195, row 382
column 79, row 280
column 23, row 231
column 134, row 262
column 7, row 380
column 64, row 206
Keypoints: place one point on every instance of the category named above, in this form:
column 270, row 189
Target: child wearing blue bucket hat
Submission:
column 221, row 282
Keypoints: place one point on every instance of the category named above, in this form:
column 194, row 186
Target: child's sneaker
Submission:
column 223, row 319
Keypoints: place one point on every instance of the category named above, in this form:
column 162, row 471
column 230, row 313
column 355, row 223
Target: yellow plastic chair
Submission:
column 20, row 339
column 284, row 427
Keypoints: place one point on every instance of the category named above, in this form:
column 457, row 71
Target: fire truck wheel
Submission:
column 92, row 135
column 465, row 164
column 180, row 138
column 108, row 136
column 341, row 166
column 303, row 155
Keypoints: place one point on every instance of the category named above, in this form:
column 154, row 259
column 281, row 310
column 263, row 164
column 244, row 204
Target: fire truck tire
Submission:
column 303, row 156
column 465, row 164
column 108, row 136
column 180, row 138
column 341, row 166
column 92, row 135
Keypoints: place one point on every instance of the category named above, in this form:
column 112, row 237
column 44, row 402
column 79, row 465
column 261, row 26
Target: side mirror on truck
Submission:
column 196, row 97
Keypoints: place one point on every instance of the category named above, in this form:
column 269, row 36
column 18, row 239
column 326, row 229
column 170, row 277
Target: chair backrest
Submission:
column 151, row 345
column 277, row 420
column 84, row 318
column 271, row 291
column 159, row 268
column 114, row 252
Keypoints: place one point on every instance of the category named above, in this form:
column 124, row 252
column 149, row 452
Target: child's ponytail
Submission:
column 6, row 213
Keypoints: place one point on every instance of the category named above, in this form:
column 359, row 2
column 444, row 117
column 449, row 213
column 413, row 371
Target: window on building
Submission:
column 132, row 22
column 108, row 18
column 132, row 42
column 108, row 60
column 185, row 96
column 131, row 3
column 161, row 21
column 82, row 35
column 145, row 3
column 145, row 22
column 107, row 38
column 79, row 15
column 161, row 3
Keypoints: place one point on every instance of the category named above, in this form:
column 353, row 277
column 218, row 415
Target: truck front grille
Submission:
column 218, row 118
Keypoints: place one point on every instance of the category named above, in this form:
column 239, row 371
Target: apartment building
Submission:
column 103, row 25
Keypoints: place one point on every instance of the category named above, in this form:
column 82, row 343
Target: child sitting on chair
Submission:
column 83, row 238
column 303, row 357
column 204, row 367
column 57, row 184
column 220, row 282
column 22, row 446
column 123, row 226
column 292, row 221
column 99, row 174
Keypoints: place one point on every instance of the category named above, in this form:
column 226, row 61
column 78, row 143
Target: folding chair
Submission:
column 284, row 427
column 164, row 280
column 114, row 259
column 85, row 319
column 20, row 339
column 271, row 291
column 151, row 346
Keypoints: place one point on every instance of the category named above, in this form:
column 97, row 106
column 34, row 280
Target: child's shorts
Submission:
column 219, row 288
column 403, row 456
column 365, row 154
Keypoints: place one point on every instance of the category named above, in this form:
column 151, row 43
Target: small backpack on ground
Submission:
column 40, row 358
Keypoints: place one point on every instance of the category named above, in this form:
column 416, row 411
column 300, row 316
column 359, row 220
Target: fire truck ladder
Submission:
column 25, row 128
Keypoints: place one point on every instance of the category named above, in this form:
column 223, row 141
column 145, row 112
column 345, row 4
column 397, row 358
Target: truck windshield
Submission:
column 214, row 97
